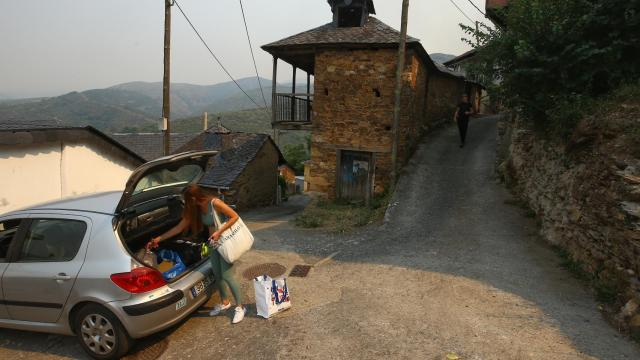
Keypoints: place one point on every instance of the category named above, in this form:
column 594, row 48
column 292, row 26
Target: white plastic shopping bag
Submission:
column 272, row 295
column 235, row 241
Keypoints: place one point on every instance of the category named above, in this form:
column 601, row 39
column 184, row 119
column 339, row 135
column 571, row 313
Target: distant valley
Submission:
column 137, row 106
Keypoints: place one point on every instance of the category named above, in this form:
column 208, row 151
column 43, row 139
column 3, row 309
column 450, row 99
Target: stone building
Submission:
column 353, row 60
column 245, row 171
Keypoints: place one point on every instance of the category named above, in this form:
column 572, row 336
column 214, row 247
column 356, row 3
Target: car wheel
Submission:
column 100, row 333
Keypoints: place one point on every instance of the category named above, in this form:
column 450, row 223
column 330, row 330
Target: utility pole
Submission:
column 166, row 80
column 398, row 92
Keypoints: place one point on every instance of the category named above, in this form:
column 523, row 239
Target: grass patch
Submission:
column 606, row 291
column 575, row 267
column 342, row 217
column 607, row 288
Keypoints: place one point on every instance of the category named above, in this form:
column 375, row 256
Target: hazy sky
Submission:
column 50, row 47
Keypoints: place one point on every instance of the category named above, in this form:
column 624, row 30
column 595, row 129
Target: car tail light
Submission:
column 139, row 280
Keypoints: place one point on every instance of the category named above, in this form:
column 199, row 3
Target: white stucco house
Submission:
column 43, row 161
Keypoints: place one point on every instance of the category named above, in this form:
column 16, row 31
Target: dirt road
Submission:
column 455, row 269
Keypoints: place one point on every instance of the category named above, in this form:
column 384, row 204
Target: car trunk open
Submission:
column 152, row 203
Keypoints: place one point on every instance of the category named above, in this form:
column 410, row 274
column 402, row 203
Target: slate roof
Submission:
column 229, row 164
column 236, row 149
column 374, row 32
column 41, row 131
column 150, row 146
column 446, row 70
column 462, row 57
column 22, row 124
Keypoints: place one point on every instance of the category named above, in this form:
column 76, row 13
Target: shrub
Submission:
column 296, row 155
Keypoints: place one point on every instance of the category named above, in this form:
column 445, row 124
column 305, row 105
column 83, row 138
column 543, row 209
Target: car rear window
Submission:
column 53, row 240
column 168, row 177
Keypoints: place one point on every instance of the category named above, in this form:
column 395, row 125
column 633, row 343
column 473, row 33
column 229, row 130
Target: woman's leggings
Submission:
column 223, row 274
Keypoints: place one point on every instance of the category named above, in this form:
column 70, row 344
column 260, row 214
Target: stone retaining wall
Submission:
column 586, row 195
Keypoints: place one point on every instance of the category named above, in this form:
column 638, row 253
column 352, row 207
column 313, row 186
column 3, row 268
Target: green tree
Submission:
column 296, row 155
column 553, row 57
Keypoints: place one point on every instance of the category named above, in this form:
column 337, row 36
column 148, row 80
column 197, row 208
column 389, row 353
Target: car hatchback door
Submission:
column 44, row 267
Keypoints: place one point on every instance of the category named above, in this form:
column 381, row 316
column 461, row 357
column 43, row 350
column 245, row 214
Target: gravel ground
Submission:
column 454, row 269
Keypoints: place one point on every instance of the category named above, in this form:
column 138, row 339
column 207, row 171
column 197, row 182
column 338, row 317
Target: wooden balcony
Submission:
column 292, row 111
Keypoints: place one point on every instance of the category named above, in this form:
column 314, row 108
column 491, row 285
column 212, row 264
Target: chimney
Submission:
column 205, row 121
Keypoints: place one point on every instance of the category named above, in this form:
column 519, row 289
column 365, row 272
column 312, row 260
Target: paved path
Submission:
column 454, row 270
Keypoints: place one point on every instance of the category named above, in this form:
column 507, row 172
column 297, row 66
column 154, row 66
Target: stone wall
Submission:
column 443, row 95
column 256, row 186
column 586, row 194
column 413, row 121
column 353, row 110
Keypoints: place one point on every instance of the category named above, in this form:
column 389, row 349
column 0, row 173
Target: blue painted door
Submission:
column 356, row 170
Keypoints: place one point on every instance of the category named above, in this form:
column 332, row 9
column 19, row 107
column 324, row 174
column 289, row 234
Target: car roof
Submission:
column 104, row 203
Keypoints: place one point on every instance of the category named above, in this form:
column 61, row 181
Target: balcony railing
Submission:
column 294, row 108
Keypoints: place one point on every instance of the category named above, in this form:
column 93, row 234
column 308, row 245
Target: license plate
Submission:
column 202, row 285
column 180, row 304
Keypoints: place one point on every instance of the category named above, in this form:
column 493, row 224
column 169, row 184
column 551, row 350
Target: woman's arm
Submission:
column 455, row 116
column 176, row 230
column 223, row 208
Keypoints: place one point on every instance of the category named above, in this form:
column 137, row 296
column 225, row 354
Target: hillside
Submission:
column 78, row 109
column 136, row 106
column 252, row 120
column 189, row 100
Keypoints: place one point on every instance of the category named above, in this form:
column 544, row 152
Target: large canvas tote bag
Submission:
column 235, row 241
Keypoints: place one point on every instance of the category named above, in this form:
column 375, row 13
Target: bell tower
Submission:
column 351, row 13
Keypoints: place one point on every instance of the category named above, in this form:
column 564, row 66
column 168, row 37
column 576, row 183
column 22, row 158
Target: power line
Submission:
column 214, row 55
column 477, row 8
column 462, row 12
column 252, row 56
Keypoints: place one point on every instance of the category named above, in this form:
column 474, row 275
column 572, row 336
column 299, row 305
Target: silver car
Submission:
column 74, row 267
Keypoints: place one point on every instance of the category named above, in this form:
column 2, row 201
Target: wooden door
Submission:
column 355, row 175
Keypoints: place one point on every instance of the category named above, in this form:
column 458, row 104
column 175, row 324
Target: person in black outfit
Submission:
column 463, row 111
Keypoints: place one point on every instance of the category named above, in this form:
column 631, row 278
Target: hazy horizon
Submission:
column 63, row 46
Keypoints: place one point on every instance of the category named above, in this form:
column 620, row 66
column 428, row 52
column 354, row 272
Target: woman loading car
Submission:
column 197, row 213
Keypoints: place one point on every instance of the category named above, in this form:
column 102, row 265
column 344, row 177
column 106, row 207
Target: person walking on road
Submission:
column 463, row 112
column 198, row 214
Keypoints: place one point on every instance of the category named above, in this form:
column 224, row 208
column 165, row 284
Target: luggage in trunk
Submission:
column 190, row 252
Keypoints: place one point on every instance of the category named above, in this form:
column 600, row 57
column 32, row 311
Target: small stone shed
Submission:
column 245, row 171
column 353, row 60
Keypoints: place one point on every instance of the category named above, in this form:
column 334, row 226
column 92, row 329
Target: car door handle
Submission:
column 62, row 277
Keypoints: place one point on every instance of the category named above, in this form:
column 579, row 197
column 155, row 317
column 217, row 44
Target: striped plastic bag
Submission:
column 272, row 295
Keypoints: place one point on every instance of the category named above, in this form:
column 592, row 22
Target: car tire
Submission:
column 100, row 333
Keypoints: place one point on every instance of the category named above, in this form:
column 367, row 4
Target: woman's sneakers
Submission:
column 219, row 308
column 239, row 315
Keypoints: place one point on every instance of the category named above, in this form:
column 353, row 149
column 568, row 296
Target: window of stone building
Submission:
column 376, row 92
column 326, row 92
